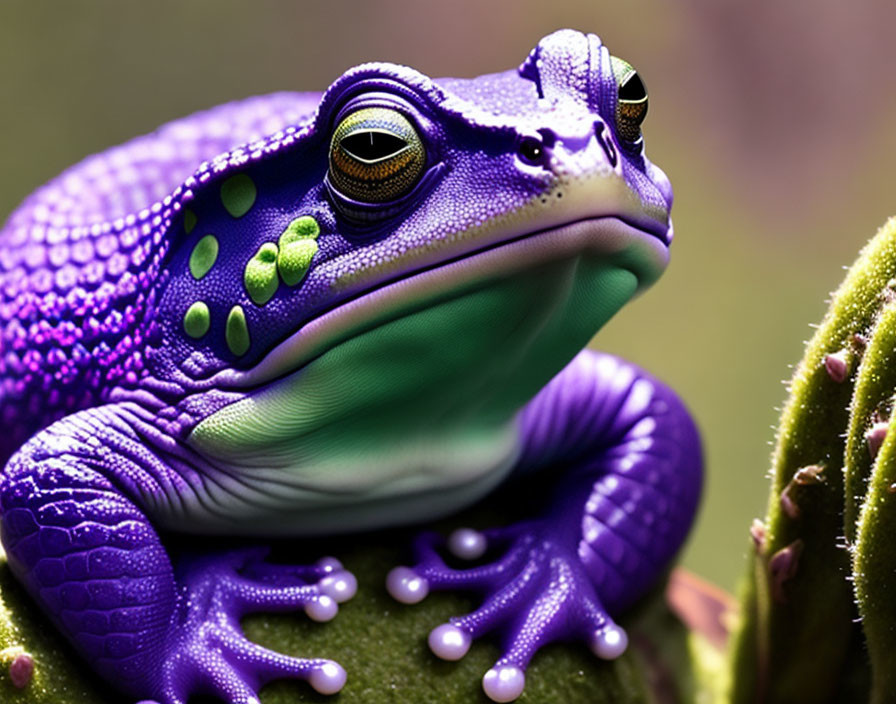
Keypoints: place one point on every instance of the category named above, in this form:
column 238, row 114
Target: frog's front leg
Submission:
column 628, row 462
column 73, row 520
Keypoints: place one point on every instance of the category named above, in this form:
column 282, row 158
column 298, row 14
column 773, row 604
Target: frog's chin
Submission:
column 404, row 400
column 614, row 242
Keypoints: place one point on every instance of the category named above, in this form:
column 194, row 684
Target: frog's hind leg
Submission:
column 87, row 553
column 628, row 462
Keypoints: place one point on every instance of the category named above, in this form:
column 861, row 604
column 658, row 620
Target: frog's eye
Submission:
column 376, row 155
column 631, row 103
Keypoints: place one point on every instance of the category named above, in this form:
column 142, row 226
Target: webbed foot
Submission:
column 210, row 655
column 535, row 591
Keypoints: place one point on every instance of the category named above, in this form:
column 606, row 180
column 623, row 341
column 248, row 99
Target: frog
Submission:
column 313, row 314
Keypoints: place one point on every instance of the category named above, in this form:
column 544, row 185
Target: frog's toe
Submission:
column 535, row 591
column 410, row 585
column 406, row 585
column 250, row 595
column 242, row 668
column 233, row 669
column 504, row 683
column 560, row 611
column 317, row 588
column 608, row 642
column 211, row 655
column 449, row 642
column 467, row 543
column 340, row 586
column 227, row 682
column 327, row 573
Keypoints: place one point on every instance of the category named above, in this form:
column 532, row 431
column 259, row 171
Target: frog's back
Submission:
column 80, row 260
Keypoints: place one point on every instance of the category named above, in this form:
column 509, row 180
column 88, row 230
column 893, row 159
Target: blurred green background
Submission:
column 773, row 120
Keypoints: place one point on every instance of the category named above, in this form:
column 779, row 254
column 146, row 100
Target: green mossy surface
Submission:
column 382, row 645
column 58, row 677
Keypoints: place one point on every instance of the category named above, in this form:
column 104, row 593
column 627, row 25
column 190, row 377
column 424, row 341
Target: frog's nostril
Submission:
column 606, row 142
column 548, row 137
column 531, row 150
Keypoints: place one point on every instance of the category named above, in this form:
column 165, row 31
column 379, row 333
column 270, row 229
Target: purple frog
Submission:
column 310, row 314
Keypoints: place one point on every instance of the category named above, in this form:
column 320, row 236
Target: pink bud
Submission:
column 21, row 669
column 837, row 366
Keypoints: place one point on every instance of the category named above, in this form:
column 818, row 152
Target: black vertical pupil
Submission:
column 531, row 150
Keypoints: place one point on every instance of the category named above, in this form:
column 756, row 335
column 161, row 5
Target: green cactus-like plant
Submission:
column 818, row 618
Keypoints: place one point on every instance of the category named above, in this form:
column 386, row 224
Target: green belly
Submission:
column 416, row 417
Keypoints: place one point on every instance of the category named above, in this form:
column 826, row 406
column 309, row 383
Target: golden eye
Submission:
column 631, row 103
column 376, row 155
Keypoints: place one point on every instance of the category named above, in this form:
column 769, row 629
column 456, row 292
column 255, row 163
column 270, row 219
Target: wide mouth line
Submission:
column 658, row 233
column 478, row 251
column 473, row 253
column 247, row 380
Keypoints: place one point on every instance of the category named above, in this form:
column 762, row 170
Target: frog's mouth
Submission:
column 633, row 248
column 402, row 401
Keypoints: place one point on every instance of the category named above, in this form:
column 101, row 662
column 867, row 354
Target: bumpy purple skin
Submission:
column 96, row 369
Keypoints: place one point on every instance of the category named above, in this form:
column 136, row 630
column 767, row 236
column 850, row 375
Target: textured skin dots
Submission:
column 86, row 553
column 250, row 307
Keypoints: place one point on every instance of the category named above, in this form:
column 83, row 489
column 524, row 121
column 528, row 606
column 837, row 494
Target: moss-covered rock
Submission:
column 382, row 645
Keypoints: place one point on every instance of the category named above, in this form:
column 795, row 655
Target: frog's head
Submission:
column 442, row 234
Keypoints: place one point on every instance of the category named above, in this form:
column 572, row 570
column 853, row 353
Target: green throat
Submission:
column 420, row 406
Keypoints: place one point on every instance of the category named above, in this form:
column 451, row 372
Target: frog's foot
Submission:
column 210, row 654
column 535, row 592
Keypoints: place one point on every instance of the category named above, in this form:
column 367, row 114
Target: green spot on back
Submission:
column 236, row 332
column 260, row 276
column 295, row 259
column 305, row 226
column 189, row 220
column 203, row 256
column 196, row 320
column 238, row 195
column 297, row 248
